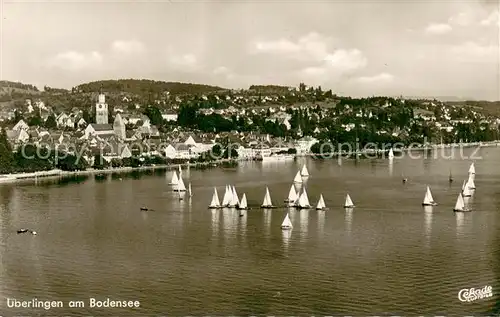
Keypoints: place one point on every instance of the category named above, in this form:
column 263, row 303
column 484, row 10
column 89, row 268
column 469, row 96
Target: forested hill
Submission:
column 144, row 86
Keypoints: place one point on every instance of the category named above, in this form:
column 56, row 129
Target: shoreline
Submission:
column 17, row 177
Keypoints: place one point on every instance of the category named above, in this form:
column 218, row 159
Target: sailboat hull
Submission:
column 214, row 207
column 268, row 207
column 286, row 228
column 351, row 206
column 429, row 204
column 302, row 207
column 462, row 210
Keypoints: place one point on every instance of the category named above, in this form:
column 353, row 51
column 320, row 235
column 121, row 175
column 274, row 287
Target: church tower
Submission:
column 101, row 110
column 119, row 127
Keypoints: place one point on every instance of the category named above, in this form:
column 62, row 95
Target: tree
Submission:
column 154, row 115
column 51, row 123
column 100, row 163
column 6, row 155
column 35, row 121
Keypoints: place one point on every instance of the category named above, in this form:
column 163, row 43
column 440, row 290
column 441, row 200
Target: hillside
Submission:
column 271, row 89
column 144, row 86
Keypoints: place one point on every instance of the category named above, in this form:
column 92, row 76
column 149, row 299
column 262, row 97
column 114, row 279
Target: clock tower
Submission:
column 101, row 110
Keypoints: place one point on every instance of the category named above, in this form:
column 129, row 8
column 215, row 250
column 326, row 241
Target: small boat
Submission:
column 348, row 202
column 175, row 180
column 190, row 192
column 450, row 178
column 145, row 209
column 234, row 198
column 298, row 178
column 215, row 200
column 292, row 195
column 428, row 199
column 26, row 231
column 243, row 203
column 181, row 187
column 321, row 203
column 286, row 224
column 460, row 204
column 303, row 201
column 228, row 196
column 405, row 179
column 304, row 171
column 391, row 154
column 466, row 191
column 267, row 200
column 472, row 169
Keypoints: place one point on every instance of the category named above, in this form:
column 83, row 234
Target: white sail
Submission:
column 286, row 224
column 243, row 202
column 472, row 168
column 292, row 194
column 304, row 171
column 464, row 185
column 460, row 204
column 234, row 198
column 174, row 180
column 181, row 187
column 180, row 170
column 228, row 195
column 189, row 190
column 215, row 200
column 348, row 202
column 267, row 199
column 391, row 154
column 428, row 199
column 466, row 192
column 303, row 200
column 470, row 182
column 298, row 178
column 321, row 203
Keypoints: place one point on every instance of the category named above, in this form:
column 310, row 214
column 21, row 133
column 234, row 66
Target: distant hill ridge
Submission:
column 142, row 86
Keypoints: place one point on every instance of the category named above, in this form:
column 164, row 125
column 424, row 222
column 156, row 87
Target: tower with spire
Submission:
column 101, row 109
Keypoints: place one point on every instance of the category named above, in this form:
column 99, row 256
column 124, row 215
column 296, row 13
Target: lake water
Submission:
column 387, row 256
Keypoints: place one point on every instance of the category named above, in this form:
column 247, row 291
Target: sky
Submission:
column 357, row 48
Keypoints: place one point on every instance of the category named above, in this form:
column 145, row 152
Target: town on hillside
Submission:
column 133, row 123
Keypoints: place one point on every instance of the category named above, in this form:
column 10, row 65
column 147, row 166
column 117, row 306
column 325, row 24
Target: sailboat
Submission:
column 470, row 182
column 460, row 204
column 228, row 196
column 303, row 201
column 234, row 198
column 348, row 202
column 286, row 224
column 267, row 200
column 298, row 178
column 190, row 192
column 428, row 199
column 215, row 200
column 243, row 203
column 472, row 169
column 466, row 191
column 174, row 181
column 304, row 171
column 391, row 154
column 292, row 195
column 180, row 171
column 181, row 187
column 321, row 203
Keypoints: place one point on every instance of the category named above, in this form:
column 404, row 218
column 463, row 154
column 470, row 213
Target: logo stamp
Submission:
column 473, row 294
